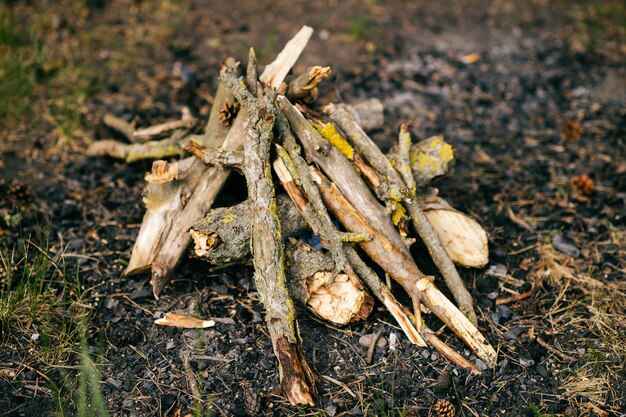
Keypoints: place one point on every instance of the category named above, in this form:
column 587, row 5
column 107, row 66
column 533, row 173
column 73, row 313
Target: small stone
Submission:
column 331, row 410
column 513, row 333
column 565, row 245
column 541, row 370
column 170, row 345
column 482, row 366
column 366, row 340
column 526, row 362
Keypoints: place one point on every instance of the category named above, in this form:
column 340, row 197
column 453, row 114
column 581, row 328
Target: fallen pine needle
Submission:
column 183, row 321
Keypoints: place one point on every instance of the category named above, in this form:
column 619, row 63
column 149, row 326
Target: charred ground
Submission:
column 532, row 97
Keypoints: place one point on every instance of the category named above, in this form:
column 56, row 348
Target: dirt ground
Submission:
column 532, row 95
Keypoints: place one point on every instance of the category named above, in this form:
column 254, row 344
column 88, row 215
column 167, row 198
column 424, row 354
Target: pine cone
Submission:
column 444, row 408
column 228, row 113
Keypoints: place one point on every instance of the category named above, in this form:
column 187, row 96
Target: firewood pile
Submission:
column 308, row 169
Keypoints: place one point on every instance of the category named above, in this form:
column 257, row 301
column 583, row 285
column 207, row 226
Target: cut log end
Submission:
column 341, row 303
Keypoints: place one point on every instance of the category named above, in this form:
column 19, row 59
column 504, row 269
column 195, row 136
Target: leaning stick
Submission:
column 379, row 161
column 296, row 377
column 341, row 171
column 210, row 179
column 403, row 270
column 354, row 264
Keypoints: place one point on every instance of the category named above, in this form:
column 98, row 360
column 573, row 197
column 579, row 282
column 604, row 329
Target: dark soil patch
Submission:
column 541, row 105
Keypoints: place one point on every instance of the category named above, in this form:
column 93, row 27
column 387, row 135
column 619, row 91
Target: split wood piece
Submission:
column 308, row 270
column 120, row 125
column 370, row 113
column 399, row 191
column 157, row 228
column 156, row 131
column 184, row 321
column 341, row 171
column 463, row 238
column 304, row 87
column 223, row 235
column 296, row 377
column 275, row 73
column 429, row 158
column 355, row 266
column 162, row 198
column 210, row 179
column 403, row 270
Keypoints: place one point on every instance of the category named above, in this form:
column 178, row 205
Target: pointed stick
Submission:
column 398, row 191
column 275, row 73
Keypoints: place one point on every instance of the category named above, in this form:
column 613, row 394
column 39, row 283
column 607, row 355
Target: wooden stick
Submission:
column 275, row 73
column 297, row 379
column 304, row 87
column 398, row 191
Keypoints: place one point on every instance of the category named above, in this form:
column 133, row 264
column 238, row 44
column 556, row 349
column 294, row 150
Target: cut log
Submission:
column 296, row 377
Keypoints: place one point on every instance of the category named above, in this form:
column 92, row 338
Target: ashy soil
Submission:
column 532, row 95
